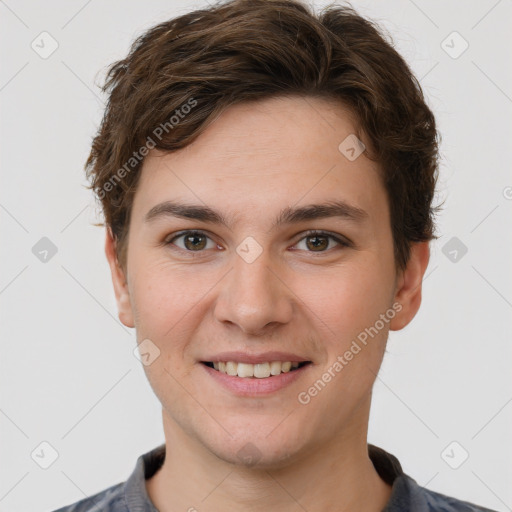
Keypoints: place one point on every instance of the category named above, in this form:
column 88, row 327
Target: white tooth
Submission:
column 286, row 366
column 231, row 368
column 222, row 367
column 275, row 367
column 262, row 370
column 245, row 370
column 216, row 366
column 295, row 365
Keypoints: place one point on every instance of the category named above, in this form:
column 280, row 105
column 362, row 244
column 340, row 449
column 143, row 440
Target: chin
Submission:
column 257, row 449
column 253, row 455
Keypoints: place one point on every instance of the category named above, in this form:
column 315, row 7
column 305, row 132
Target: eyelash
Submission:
column 312, row 232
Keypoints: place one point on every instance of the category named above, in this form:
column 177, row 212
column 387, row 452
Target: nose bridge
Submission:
column 254, row 297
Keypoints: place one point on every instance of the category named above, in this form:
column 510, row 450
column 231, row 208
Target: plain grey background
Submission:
column 68, row 375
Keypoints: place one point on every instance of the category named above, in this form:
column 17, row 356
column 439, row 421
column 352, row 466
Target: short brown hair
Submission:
column 247, row 50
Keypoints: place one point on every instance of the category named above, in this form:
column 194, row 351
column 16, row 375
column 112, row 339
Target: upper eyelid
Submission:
column 179, row 234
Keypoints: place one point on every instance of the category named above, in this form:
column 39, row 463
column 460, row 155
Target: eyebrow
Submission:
column 288, row 215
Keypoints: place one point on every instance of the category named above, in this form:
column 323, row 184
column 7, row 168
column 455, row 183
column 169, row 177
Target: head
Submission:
column 297, row 160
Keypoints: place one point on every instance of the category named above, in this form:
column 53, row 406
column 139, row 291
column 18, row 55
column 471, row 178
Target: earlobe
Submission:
column 119, row 281
column 409, row 285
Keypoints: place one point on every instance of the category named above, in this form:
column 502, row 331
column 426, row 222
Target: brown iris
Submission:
column 195, row 242
column 317, row 242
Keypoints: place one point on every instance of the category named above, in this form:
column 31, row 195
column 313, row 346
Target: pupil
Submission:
column 190, row 242
column 318, row 243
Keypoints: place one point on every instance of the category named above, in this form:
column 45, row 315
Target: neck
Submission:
column 192, row 478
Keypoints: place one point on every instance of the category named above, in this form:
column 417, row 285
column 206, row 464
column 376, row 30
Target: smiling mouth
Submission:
column 255, row 371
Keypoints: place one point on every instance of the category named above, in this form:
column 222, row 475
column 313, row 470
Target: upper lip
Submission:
column 246, row 357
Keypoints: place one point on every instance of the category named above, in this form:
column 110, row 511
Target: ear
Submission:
column 408, row 286
column 119, row 281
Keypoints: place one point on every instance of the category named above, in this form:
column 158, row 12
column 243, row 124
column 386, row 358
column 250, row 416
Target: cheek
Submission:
column 166, row 303
column 164, row 298
column 350, row 300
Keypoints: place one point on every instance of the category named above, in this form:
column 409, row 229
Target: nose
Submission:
column 254, row 296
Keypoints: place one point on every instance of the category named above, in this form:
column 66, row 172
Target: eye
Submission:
column 319, row 241
column 314, row 241
column 192, row 241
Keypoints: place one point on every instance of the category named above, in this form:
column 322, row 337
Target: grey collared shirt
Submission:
column 406, row 494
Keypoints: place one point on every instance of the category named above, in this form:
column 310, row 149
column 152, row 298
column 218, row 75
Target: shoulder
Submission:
column 407, row 494
column 108, row 500
column 442, row 503
column 128, row 495
column 425, row 500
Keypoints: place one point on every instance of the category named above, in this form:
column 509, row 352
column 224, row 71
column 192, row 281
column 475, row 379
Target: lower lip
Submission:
column 246, row 386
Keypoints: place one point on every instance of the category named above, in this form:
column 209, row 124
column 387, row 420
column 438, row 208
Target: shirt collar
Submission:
column 135, row 492
column 387, row 466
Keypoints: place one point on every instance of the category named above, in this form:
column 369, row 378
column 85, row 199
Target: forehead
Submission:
column 276, row 152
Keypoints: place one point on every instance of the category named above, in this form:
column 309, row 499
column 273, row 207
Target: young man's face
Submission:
column 261, row 288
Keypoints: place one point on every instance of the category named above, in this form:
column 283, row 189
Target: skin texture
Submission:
column 252, row 162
